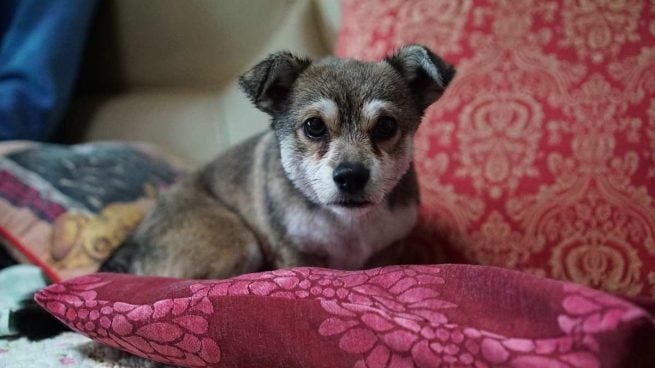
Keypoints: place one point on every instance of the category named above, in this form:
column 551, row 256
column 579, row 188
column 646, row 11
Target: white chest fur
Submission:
column 347, row 238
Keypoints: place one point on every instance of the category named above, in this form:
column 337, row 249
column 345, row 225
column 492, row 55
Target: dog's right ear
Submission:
column 268, row 84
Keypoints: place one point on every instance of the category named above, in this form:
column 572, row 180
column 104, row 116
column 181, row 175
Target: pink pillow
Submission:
column 399, row 316
column 541, row 154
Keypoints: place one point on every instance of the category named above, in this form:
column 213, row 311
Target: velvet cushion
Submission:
column 541, row 155
column 398, row 316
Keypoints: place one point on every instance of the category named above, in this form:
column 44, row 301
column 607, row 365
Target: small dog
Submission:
column 330, row 185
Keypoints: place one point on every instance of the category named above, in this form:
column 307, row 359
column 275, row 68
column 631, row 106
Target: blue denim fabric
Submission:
column 41, row 44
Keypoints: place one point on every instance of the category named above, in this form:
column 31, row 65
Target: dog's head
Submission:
column 345, row 127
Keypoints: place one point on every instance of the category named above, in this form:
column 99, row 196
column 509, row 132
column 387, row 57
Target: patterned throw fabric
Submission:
column 399, row 316
column 541, row 155
column 65, row 208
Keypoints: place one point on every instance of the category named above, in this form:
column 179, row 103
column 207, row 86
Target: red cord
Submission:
column 49, row 272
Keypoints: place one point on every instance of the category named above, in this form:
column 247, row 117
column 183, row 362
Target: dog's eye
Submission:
column 315, row 128
column 385, row 128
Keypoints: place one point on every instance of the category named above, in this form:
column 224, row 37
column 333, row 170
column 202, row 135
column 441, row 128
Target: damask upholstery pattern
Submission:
column 541, row 155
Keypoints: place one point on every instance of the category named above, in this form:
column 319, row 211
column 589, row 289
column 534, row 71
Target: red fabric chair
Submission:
column 541, row 155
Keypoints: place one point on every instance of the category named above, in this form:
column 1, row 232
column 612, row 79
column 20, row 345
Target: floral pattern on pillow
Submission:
column 398, row 316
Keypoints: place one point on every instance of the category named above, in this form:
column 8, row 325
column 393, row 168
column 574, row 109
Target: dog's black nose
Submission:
column 350, row 177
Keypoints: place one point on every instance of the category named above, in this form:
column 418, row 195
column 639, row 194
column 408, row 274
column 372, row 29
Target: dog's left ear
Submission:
column 268, row 84
column 426, row 74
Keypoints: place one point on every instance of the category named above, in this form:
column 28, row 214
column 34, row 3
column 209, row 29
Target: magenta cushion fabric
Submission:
column 399, row 316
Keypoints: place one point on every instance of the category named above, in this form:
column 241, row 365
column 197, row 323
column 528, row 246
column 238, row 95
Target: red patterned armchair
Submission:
column 541, row 155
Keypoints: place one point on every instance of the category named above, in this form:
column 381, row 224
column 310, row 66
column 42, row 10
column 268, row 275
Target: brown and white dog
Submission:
column 331, row 184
